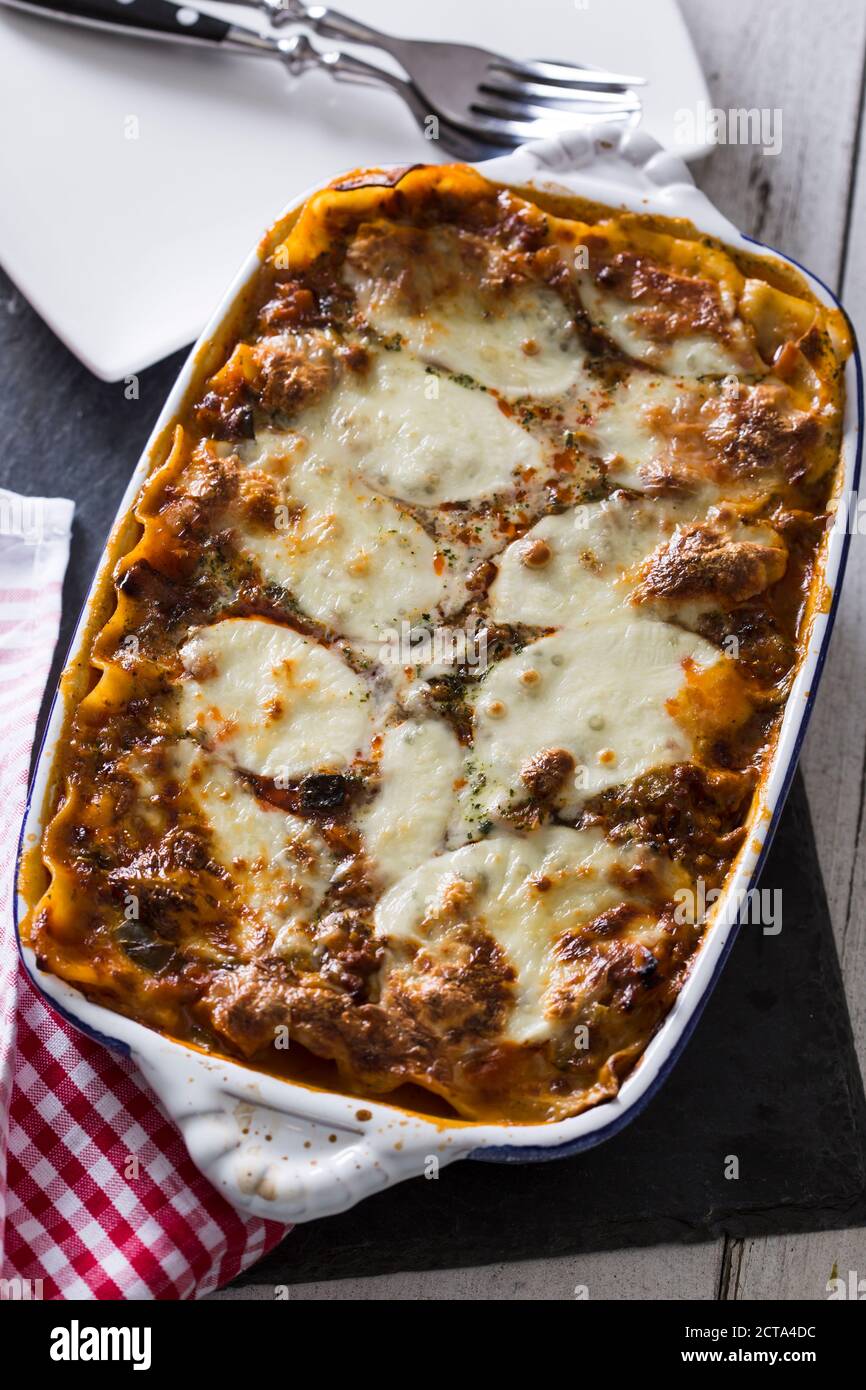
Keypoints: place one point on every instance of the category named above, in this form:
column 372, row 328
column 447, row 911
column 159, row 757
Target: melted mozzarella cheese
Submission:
column 631, row 431
column 574, row 564
column 353, row 560
column 685, row 354
column 589, row 561
column 417, row 435
column 522, row 343
column 406, row 822
column 597, row 690
column 281, row 861
column 271, row 701
column 525, row 892
column 654, row 431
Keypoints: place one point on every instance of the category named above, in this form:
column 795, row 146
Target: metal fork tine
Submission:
column 505, row 130
column 567, row 74
column 547, row 115
column 560, row 97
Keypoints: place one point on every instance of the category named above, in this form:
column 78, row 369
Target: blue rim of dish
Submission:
column 536, row 1153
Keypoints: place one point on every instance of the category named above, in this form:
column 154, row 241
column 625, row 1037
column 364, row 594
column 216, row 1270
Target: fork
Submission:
column 506, row 100
column 158, row 19
column 471, row 138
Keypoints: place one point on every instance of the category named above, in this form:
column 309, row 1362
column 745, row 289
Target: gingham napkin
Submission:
column 75, row 1120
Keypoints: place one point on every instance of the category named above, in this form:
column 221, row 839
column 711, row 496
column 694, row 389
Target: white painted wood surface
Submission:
column 660, row 1272
column 805, row 58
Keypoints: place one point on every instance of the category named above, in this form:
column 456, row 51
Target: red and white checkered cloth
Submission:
column 72, row 1115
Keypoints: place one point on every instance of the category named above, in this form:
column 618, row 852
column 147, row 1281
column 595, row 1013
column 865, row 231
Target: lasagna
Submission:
column 435, row 672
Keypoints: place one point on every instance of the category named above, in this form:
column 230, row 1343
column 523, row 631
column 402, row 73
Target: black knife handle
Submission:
column 152, row 16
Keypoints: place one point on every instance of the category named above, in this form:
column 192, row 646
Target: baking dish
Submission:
column 289, row 1152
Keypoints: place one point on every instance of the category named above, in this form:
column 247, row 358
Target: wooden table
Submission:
column 808, row 59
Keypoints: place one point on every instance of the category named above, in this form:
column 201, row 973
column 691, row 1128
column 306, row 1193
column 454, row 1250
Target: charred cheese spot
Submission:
column 524, row 894
column 627, row 551
column 702, row 562
column 668, row 437
column 294, row 371
column 676, row 323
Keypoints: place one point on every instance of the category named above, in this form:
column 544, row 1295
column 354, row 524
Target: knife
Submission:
column 149, row 19
column 161, row 19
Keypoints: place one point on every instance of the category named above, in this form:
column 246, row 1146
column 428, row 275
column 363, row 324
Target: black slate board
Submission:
column 770, row 1075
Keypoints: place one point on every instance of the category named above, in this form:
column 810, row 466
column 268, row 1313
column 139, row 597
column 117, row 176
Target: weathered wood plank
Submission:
column 804, row 60
column 788, row 1267
column 835, row 767
column 661, row 1272
column 808, row 61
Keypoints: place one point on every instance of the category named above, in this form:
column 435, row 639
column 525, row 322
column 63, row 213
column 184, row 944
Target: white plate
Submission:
column 123, row 245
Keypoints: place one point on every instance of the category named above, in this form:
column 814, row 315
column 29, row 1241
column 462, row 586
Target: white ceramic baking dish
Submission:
column 290, row 1152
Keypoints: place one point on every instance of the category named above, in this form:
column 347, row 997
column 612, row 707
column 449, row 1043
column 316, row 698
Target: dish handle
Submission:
column 615, row 163
column 279, row 1163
